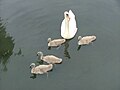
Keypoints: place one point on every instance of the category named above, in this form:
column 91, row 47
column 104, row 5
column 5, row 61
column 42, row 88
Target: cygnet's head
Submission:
column 32, row 65
column 93, row 37
column 39, row 53
column 49, row 39
column 79, row 37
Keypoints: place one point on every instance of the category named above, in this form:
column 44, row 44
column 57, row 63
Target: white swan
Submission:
column 40, row 69
column 55, row 42
column 86, row 39
column 51, row 59
column 68, row 26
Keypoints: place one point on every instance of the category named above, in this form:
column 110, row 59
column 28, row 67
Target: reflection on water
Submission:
column 79, row 47
column 66, row 53
column 6, row 46
column 33, row 76
column 19, row 53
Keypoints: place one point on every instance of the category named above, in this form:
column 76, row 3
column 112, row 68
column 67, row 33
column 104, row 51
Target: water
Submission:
column 25, row 26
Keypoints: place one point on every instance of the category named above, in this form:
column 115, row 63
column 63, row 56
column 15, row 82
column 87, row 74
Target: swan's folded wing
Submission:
column 71, row 14
column 72, row 26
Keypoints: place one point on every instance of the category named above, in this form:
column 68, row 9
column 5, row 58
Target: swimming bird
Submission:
column 86, row 40
column 55, row 42
column 68, row 26
column 40, row 69
column 51, row 59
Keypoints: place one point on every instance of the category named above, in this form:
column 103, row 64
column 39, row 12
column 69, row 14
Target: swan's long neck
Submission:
column 67, row 25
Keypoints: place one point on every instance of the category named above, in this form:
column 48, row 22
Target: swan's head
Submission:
column 66, row 15
column 49, row 39
column 32, row 65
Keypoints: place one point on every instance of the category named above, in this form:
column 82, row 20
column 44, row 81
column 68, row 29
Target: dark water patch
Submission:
column 6, row 45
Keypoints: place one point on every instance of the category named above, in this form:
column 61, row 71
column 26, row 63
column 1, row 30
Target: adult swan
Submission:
column 68, row 26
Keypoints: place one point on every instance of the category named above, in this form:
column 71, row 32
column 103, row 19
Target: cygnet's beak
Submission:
column 30, row 66
column 37, row 54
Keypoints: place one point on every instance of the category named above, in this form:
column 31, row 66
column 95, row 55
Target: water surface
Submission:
column 25, row 26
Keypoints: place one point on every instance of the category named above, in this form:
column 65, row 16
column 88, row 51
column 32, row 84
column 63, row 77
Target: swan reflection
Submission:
column 6, row 45
column 66, row 53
